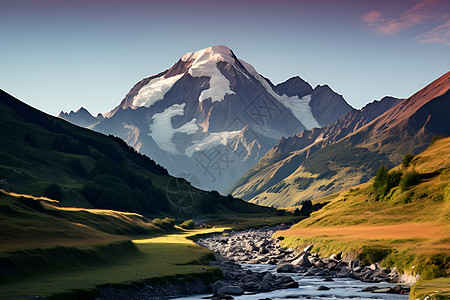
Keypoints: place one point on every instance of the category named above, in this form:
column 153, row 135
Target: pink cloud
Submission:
column 440, row 34
column 372, row 17
column 417, row 14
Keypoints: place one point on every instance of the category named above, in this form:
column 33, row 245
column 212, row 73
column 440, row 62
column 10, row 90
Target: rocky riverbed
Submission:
column 256, row 246
column 254, row 263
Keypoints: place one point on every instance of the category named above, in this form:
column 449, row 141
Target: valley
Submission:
column 208, row 178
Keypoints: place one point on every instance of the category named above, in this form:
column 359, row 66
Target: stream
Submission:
column 250, row 257
column 340, row 288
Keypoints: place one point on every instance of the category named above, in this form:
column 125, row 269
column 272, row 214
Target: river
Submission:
column 340, row 288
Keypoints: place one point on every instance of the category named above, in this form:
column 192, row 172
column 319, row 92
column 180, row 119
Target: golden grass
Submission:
column 168, row 255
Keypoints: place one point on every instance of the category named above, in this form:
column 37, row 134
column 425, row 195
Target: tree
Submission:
column 307, row 208
column 407, row 159
column 409, row 179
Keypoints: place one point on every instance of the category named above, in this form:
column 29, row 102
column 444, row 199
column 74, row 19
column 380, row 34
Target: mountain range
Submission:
column 211, row 117
column 321, row 161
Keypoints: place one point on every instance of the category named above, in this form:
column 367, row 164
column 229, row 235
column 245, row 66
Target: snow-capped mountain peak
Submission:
column 214, row 53
column 213, row 116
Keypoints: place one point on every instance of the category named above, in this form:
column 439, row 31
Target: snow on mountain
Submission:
column 162, row 131
column 212, row 116
column 299, row 107
column 154, row 90
column 205, row 64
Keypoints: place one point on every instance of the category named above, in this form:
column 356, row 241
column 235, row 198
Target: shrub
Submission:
column 385, row 181
column 296, row 212
column 409, row 179
column 53, row 191
column 407, row 158
column 188, row 224
column 166, row 223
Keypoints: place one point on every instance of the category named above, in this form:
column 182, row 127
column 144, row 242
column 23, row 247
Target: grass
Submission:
column 49, row 250
column 408, row 229
column 435, row 289
column 160, row 257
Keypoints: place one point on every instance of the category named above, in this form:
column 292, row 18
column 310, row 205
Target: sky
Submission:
column 60, row 55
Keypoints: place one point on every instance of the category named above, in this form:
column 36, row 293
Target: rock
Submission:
column 302, row 261
column 323, row 288
column 218, row 285
column 399, row 289
column 291, row 285
column 264, row 287
column 308, row 248
column 285, row 268
column 370, row 288
column 384, row 290
column 319, row 264
column 231, row 290
column 337, row 256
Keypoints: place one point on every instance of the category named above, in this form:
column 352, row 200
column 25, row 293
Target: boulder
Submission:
column 323, row 288
column 308, row 248
column 231, row 290
column 302, row 261
column 217, row 285
column 384, row 290
column 337, row 256
column 285, row 268
column 370, row 288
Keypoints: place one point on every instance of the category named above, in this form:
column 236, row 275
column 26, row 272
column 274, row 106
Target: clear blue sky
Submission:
column 60, row 55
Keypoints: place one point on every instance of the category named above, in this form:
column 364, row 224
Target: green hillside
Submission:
column 45, row 156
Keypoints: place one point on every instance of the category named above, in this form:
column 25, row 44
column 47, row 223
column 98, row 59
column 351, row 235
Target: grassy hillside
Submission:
column 399, row 224
column 50, row 250
column 68, row 253
column 42, row 155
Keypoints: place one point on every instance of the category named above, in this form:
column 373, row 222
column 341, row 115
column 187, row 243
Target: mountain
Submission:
column 42, row 155
column 81, row 117
column 318, row 162
column 212, row 116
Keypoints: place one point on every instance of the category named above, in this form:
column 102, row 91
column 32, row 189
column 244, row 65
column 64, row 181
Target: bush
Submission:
column 409, row 179
column 188, row 224
column 385, row 181
column 407, row 159
column 166, row 223
column 53, row 191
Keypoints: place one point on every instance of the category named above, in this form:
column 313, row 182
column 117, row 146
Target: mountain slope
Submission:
column 408, row 226
column 43, row 155
column 322, row 161
column 212, row 116
column 282, row 161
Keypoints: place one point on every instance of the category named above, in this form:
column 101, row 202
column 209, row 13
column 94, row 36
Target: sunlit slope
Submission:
column 406, row 227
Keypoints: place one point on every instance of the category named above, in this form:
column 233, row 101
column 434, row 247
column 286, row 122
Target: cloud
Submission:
column 439, row 34
column 384, row 26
